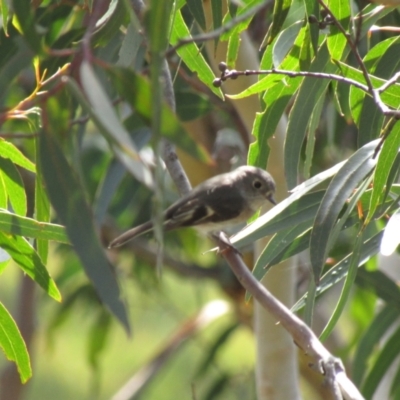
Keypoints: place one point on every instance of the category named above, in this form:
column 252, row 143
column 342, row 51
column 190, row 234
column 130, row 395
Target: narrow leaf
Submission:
column 8, row 150
column 373, row 335
column 13, row 344
column 68, row 199
column 346, row 290
column 26, row 257
column 13, row 185
column 23, row 226
column 339, row 190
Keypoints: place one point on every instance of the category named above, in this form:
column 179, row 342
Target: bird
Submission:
column 220, row 202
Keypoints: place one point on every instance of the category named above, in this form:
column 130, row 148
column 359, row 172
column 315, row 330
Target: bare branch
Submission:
column 303, row 336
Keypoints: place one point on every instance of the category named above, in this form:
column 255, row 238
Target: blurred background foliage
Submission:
column 77, row 103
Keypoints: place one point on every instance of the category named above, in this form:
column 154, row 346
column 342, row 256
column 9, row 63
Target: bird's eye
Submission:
column 257, row 184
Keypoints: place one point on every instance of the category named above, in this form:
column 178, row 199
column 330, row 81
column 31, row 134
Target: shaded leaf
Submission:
column 387, row 156
column 308, row 96
column 196, row 9
column 368, row 249
column 346, row 289
column 373, row 335
column 339, row 190
column 382, row 363
column 68, row 199
column 137, row 91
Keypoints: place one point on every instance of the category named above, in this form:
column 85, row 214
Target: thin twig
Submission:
column 216, row 33
column 233, row 74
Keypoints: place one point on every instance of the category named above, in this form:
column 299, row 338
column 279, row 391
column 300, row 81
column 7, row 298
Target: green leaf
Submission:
column 381, row 365
column 306, row 100
column 109, row 24
column 23, row 226
column 382, row 60
column 26, row 24
column 369, row 248
column 13, row 344
column 4, row 13
column 8, row 150
column 13, row 185
column 313, row 125
column 276, row 100
column 196, row 9
column 103, row 115
column 190, row 105
column 291, row 63
column 137, row 91
column 346, row 289
column 373, row 335
column 42, row 211
column 339, row 190
column 336, row 40
column 281, row 240
column 281, row 10
column 216, row 8
column 260, row 228
column 191, row 54
column 390, row 97
column 285, row 42
column 384, row 165
column 67, row 197
column 26, row 257
column 380, row 284
column 312, row 9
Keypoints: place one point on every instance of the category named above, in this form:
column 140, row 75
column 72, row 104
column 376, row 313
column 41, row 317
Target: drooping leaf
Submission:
column 67, row 197
column 384, row 360
column 384, row 165
column 369, row 248
column 137, row 91
column 29, row 261
column 309, row 93
column 346, row 289
column 10, row 151
column 191, row 54
column 13, row 185
column 339, row 190
column 13, row 344
column 373, row 335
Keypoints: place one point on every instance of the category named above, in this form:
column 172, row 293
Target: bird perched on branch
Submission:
column 218, row 203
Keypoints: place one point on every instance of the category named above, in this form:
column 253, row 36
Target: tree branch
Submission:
column 303, row 336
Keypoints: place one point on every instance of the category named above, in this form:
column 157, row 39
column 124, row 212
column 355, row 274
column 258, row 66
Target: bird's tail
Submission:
column 132, row 233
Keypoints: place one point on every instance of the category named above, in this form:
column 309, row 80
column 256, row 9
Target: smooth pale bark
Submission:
column 276, row 365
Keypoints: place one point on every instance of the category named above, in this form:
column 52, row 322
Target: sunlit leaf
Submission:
column 26, row 257
column 13, row 344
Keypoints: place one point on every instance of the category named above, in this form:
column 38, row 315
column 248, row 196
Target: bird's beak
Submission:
column 272, row 200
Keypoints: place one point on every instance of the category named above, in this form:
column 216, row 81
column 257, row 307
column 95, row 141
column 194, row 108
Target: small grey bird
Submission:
column 219, row 202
